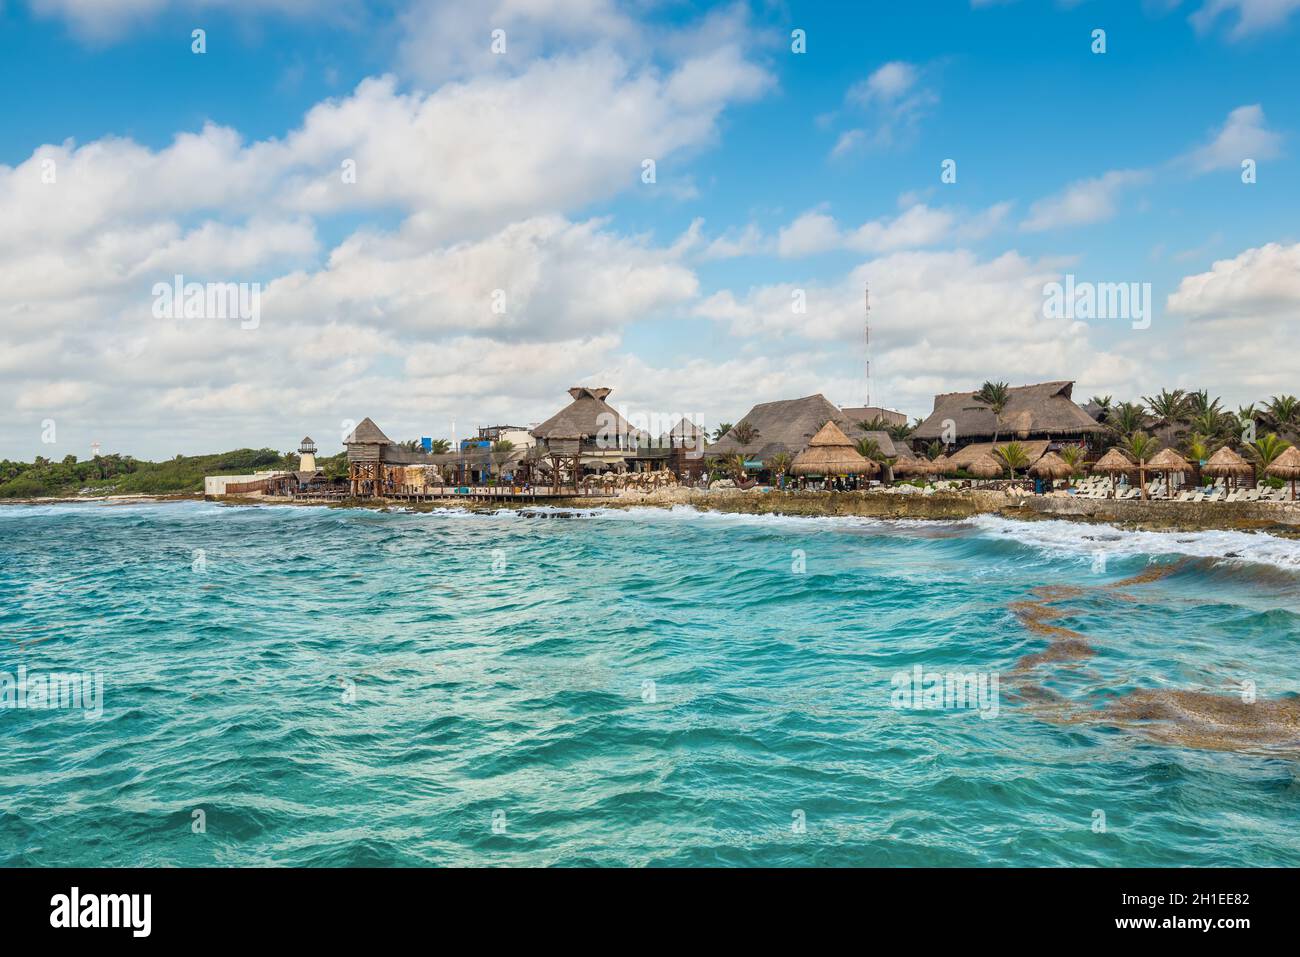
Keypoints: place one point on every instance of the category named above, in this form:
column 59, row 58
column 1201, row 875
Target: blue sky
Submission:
column 776, row 172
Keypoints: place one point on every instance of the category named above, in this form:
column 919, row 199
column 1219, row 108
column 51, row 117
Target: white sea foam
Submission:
column 1084, row 542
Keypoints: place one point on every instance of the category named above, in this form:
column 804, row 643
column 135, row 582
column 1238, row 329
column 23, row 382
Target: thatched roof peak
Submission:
column 1227, row 462
column 1286, row 465
column 1114, row 461
column 1051, row 466
column 1167, row 460
column 830, row 436
column 367, row 433
column 587, row 415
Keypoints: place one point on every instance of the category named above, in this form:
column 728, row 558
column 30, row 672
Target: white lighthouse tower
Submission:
column 307, row 456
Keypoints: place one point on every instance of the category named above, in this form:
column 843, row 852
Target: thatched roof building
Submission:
column 830, row 452
column 1044, row 410
column 783, row 426
column 365, row 436
column 590, row 418
column 788, row 425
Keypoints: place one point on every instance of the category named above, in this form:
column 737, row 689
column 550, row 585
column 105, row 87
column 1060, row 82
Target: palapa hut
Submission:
column 986, row 467
column 1044, row 411
column 913, row 466
column 1034, row 449
column 1051, row 467
column 1226, row 463
column 1286, row 466
column 1112, row 463
column 787, row 426
column 589, row 433
column 1168, row 461
column 830, row 453
column 941, row 465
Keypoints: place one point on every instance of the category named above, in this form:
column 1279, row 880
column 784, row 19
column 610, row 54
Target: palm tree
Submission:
column 869, row 448
column 1128, row 417
column 745, row 433
column 934, row 450
column 440, row 447
column 1265, row 450
column 995, row 396
column 1210, row 422
column 1073, row 457
column 1142, row 447
column 875, row 424
column 1168, row 407
column 900, row 432
column 1198, row 447
column 720, row 431
column 1285, row 411
column 1013, row 456
column 734, row 464
column 1199, row 402
column 1103, row 406
column 1245, row 416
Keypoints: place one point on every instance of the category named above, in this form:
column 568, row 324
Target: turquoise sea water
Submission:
column 332, row 687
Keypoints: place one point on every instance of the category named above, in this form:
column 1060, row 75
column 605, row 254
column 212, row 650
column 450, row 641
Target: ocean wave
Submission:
column 1070, row 540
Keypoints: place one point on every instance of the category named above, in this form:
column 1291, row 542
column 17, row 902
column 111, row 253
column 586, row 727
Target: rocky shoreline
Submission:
column 1275, row 518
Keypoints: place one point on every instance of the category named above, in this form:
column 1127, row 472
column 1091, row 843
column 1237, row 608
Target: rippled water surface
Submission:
column 336, row 687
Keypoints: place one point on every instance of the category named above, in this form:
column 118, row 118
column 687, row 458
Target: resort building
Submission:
column 589, row 435
column 520, row 436
column 788, row 425
column 870, row 413
column 1039, row 417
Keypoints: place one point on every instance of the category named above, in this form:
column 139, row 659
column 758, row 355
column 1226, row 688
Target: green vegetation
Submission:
column 122, row 474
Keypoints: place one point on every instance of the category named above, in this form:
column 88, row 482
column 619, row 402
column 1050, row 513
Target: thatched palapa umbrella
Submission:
column 909, row 465
column 1114, row 462
column 1286, row 466
column 985, row 466
column 830, row 452
column 941, row 465
column 1051, row 467
column 1169, row 461
column 1226, row 463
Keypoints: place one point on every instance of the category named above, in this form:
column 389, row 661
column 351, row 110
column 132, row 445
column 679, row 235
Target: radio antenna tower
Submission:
column 867, row 326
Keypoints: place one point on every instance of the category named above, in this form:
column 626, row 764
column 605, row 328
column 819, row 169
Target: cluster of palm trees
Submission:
column 1201, row 425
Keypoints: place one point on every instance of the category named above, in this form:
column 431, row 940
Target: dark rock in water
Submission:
column 1232, row 554
column 527, row 513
